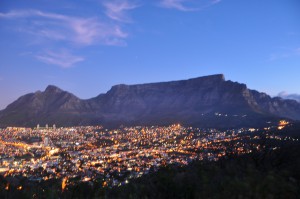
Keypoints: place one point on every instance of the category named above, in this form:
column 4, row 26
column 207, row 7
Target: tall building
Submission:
column 46, row 141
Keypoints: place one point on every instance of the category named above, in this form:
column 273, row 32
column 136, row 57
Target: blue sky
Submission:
column 87, row 46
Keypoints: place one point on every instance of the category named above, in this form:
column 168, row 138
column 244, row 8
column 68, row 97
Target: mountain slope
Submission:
column 51, row 106
column 208, row 101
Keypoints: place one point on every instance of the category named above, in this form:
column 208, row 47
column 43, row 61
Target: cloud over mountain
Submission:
column 286, row 95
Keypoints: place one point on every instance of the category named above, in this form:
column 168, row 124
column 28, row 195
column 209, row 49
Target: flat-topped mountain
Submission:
column 208, row 101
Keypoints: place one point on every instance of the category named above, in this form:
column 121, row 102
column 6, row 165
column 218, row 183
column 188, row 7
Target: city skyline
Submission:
column 87, row 47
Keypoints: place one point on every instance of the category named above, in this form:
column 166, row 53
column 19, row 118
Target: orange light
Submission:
column 7, row 186
column 64, row 183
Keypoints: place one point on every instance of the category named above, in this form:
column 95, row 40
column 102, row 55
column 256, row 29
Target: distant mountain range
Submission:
column 208, row 101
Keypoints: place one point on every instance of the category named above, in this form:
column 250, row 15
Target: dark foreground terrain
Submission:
column 269, row 173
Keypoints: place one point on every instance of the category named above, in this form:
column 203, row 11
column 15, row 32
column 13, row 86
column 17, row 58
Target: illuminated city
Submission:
column 116, row 156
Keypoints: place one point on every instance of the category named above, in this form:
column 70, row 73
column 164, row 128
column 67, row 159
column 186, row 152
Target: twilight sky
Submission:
column 87, row 46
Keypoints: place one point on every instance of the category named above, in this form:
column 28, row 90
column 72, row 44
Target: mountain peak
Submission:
column 220, row 76
column 216, row 77
column 52, row 88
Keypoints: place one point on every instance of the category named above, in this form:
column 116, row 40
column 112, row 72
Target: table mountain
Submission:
column 208, row 101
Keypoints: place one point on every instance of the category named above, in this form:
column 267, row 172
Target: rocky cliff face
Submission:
column 51, row 106
column 205, row 101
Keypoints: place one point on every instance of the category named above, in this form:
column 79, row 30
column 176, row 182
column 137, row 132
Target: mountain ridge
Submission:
column 194, row 101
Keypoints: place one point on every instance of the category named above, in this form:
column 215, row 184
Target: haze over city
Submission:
column 86, row 47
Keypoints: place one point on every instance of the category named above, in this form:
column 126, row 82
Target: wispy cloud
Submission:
column 187, row 5
column 215, row 1
column 118, row 9
column 286, row 95
column 76, row 30
column 175, row 4
column 56, row 30
column 63, row 58
column 286, row 54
